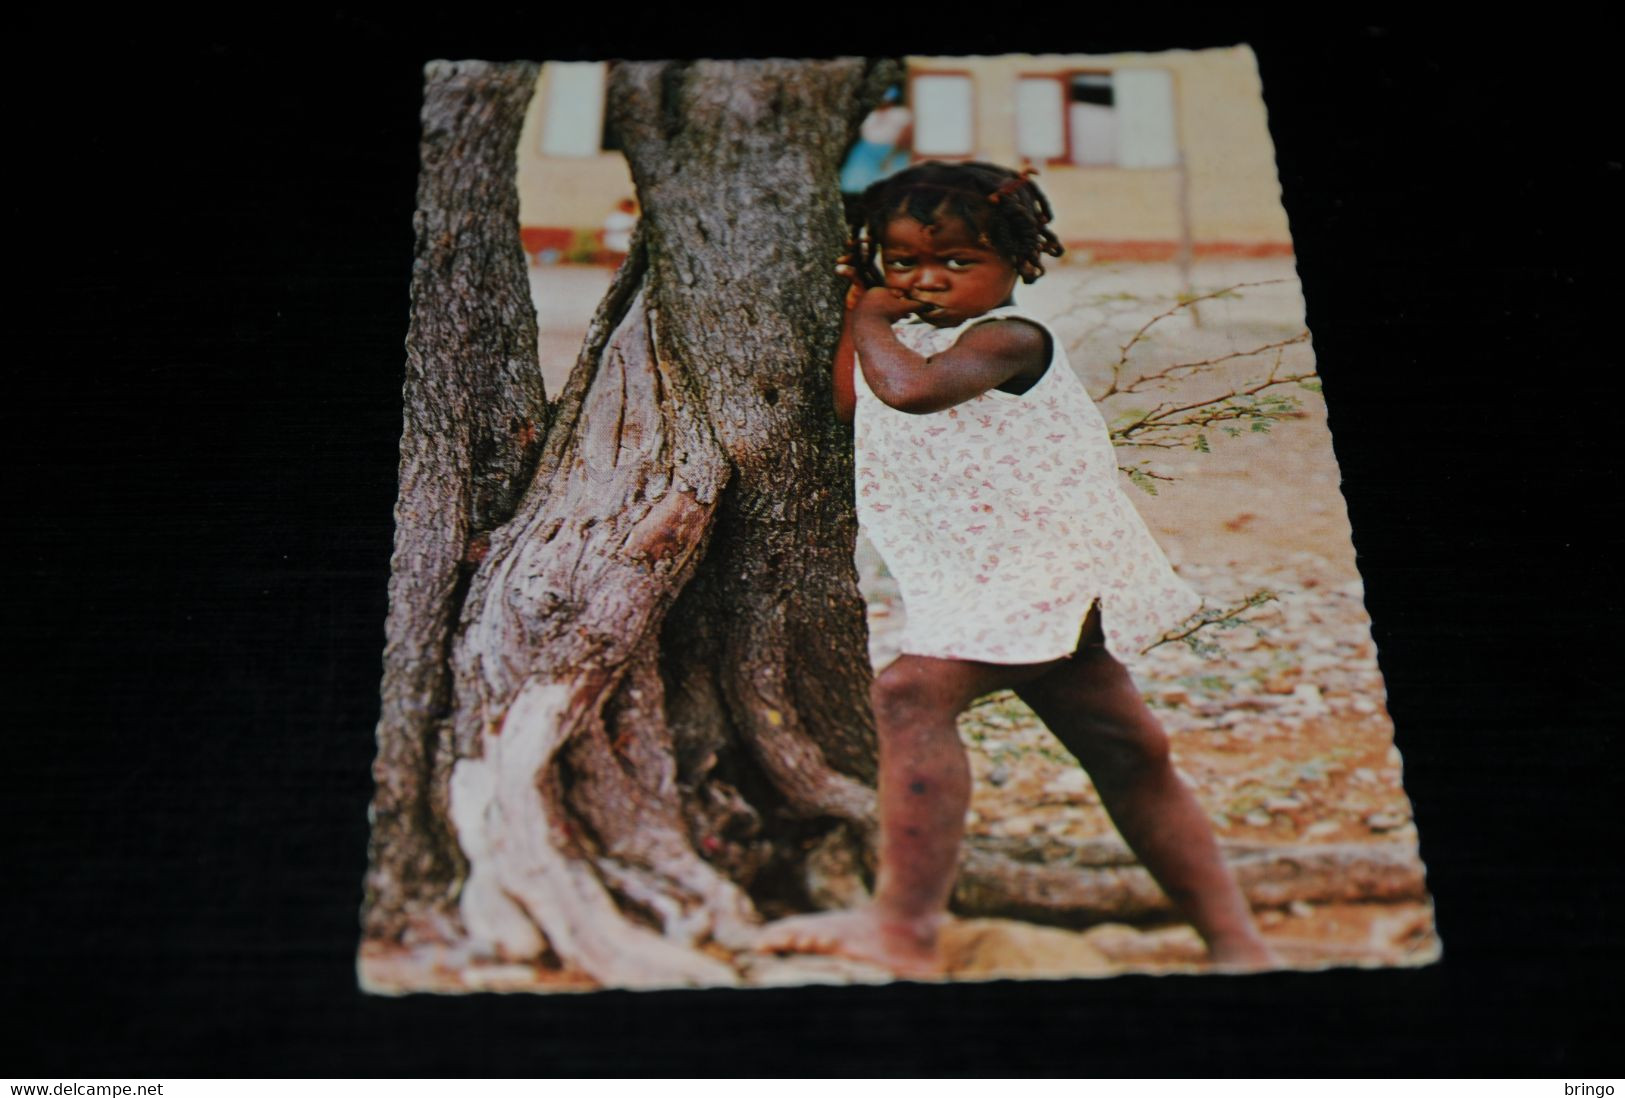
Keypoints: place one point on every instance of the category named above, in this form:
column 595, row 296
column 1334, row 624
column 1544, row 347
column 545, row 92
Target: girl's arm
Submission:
column 985, row 357
column 846, row 396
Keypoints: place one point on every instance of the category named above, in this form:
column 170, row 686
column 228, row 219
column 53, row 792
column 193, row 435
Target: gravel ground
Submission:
column 1282, row 732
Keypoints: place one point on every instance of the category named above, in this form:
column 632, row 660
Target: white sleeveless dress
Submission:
column 1004, row 519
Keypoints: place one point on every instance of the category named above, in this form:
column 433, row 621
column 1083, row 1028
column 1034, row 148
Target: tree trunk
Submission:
column 655, row 696
column 474, row 420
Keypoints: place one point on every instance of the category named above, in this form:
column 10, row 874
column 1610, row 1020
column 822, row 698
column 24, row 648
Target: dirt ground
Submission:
column 1282, row 732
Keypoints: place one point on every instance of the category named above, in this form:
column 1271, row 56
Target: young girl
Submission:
column 988, row 482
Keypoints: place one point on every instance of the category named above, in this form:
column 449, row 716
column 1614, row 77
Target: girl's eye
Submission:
column 961, row 264
column 900, row 264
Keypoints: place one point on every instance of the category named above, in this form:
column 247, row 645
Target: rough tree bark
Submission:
column 652, row 708
column 475, row 415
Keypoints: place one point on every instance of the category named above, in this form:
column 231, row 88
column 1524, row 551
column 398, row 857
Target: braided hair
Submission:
column 1004, row 208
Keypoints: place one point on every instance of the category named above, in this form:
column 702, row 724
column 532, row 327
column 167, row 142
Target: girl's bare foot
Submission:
column 1243, row 953
column 906, row 947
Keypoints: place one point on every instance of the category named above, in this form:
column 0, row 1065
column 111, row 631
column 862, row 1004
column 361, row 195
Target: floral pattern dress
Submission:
column 1004, row 519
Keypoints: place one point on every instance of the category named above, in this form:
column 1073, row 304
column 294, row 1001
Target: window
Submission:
column 1119, row 119
column 1091, row 115
column 944, row 114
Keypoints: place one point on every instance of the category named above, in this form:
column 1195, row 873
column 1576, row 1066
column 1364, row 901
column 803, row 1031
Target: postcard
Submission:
column 868, row 520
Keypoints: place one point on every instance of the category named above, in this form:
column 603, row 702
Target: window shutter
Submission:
column 1040, row 118
column 943, row 115
column 1145, row 118
column 574, row 125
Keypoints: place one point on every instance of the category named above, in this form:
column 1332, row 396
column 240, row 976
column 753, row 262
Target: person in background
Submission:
column 618, row 228
column 884, row 146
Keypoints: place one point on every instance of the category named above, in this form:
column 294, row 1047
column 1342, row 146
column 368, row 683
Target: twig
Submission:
column 1158, row 416
column 1168, row 372
column 1142, row 471
column 1123, row 351
column 1233, row 613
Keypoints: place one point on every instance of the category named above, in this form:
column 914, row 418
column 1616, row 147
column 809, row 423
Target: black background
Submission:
column 212, row 229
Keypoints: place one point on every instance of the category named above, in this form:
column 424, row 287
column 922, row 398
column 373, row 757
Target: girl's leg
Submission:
column 924, row 792
column 924, row 775
column 1095, row 710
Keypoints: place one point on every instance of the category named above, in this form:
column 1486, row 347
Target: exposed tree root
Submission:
column 1067, row 884
column 537, row 861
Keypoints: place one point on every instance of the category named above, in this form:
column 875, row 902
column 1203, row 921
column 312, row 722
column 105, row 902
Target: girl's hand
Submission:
column 890, row 304
column 854, row 292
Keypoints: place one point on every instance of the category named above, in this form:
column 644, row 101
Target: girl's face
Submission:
column 945, row 267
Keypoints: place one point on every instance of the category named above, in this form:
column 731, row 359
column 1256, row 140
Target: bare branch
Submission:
column 1218, row 617
column 1159, row 417
column 1124, row 351
column 1172, row 372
